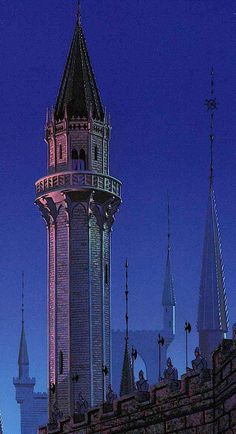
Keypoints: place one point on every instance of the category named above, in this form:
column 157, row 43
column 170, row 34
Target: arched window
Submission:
column 95, row 153
column 60, row 152
column 61, row 363
column 75, row 159
column 82, row 160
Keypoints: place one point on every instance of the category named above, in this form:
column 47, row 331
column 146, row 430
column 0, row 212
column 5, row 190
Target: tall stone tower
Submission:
column 212, row 309
column 78, row 199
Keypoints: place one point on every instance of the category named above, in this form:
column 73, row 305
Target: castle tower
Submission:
column 78, row 199
column 212, row 322
column 168, row 296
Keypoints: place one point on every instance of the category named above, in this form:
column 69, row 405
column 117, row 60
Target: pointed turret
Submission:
column 23, row 383
column 23, row 358
column 127, row 383
column 168, row 295
column 127, row 380
column 33, row 407
column 212, row 309
column 78, row 94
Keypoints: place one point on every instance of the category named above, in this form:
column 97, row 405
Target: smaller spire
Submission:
column 23, row 358
column 127, row 382
column 168, row 213
column 22, row 298
column 168, row 296
column 126, row 300
column 212, row 323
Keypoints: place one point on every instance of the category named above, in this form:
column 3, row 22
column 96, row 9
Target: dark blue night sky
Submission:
column 152, row 61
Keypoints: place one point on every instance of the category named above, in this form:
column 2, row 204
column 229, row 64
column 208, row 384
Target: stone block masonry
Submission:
column 196, row 408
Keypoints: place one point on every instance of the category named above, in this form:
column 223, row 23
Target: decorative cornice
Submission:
column 78, row 181
column 103, row 212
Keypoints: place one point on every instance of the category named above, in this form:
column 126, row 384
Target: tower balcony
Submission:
column 78, row 181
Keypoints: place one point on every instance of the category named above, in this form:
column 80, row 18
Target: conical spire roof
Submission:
column 168, row 295
column 78, row 92
column 212, row 310
column 23, row 358
column 126, row 385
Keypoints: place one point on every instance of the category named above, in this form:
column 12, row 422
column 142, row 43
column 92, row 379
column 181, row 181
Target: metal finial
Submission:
column 211, row 104
column 79, row 12
column 23, row 297
column 168, row 217
column 126, row 301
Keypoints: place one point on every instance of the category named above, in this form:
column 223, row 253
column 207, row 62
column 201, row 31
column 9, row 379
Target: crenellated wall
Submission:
column 196, row 408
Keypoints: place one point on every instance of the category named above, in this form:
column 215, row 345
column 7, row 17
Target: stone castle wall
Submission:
column 198, row 407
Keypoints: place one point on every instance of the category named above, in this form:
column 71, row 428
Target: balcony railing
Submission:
column 78, row 181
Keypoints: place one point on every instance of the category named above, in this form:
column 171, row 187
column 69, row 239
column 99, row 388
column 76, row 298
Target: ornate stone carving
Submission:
column 105, row 212
column 48, row 209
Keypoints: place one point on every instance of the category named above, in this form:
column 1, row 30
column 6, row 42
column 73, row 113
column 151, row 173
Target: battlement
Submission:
column 40, row 395
column 197, row 407
column 24, row 381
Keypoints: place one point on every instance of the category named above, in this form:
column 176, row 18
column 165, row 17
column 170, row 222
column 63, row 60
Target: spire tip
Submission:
column 79, row 12
column 22, row 297
column 168, row 216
